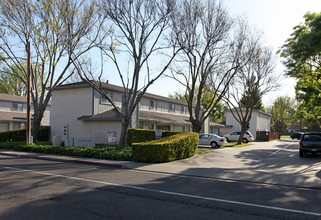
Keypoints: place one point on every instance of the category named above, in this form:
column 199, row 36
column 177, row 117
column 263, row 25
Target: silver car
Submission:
column 212, row 139
column 234, row 136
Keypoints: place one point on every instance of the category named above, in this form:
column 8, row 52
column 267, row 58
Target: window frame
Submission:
column 13, row 108
column 104, row 100
column 171, row 107
column 154, row 106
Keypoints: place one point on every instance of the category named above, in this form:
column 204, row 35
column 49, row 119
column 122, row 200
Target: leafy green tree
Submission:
column 12, row 85
column 302, row 53
column 255, row 97
column 282, row 111
column 10, row 80
column 58, row 32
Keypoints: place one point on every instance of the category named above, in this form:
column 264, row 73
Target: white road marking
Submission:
column 167, row 192
column 279, row 150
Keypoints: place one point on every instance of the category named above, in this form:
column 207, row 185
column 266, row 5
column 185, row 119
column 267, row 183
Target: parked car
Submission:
column 310, row 143
column 296, row 135
column 212, row 139
column 234, row 136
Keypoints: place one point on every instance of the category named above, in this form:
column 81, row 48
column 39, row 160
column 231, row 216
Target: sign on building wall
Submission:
column 158, row 133
column 112, row 137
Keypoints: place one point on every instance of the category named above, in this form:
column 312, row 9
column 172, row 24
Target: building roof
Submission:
column 14, row 98
column 147, row 116
column 151, row 116
column 109, row 115
column 213, row 124
column 13, row 116
column 254, row 110
column 120, row 89
column 6, row 97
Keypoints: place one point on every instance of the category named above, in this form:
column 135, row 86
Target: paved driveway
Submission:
column 275, row 162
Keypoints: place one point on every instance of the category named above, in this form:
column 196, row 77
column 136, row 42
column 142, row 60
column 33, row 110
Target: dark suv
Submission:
column 310, row 143
column 296, row 135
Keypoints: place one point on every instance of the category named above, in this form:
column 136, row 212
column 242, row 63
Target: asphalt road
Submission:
column 42, row 189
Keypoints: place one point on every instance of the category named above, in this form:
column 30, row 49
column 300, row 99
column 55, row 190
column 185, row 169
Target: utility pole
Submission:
column 28, row 130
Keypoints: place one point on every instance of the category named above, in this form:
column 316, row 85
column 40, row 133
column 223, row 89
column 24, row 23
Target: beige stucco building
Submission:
column 260, row 121
column 13, row 112
column 79, row 111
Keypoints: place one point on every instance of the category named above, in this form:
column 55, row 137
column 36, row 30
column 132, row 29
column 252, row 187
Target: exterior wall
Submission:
column 258, row 122
column 226, row 130
column 67, row 106
column 99, row 106
column 264, row 122
column 46, row 117
column 4, row 126
column 7, row 106
column 99, row 129
column 162, row 106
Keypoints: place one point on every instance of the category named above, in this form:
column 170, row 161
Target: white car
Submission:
column 212, row 139
column 234, row 136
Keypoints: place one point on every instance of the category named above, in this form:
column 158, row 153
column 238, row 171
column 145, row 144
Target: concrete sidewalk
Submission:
column 275, row 162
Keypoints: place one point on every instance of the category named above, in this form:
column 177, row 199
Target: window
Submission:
column 171, row 108
column 183, row 109
column 16, row 125
column 17, row 106
column 104, row 100
column 152, row 105
column 150, row 126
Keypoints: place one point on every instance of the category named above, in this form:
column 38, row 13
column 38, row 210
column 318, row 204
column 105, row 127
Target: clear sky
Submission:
column 276, row 18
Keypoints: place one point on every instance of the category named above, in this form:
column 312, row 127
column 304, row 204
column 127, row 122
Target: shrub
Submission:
column 101, row 152
column 20, row 135
column 166, row 149
column 136, row 135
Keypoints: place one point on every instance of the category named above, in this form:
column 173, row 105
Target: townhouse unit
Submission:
column 260, row 121
column 13, row 113
column 80, row 111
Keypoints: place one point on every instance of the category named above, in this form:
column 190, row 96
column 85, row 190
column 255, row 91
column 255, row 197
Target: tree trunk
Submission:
column 35, row 127
column 123, row 133
column 196, row 126
column 244, row 128
column 39, row 111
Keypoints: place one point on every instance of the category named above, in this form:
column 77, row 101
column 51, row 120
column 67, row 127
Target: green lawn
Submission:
column 234, row 144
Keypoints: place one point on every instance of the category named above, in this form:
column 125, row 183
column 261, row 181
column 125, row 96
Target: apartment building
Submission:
column 13, row 113
column 260, row 121
column 79, row 111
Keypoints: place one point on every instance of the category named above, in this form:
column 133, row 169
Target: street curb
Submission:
column 119, row 166
column 99, row 164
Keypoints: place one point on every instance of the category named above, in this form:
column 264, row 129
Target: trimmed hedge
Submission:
column 20, row 135
column 136, row 135
column 99, row 152
column 166, row 149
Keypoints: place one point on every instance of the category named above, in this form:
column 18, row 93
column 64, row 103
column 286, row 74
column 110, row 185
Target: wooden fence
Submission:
column 267, row 135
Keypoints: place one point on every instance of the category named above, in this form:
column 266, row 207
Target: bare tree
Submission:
column 59, row 33
column 254, row 80
column 139, row 29
column 212, row 52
